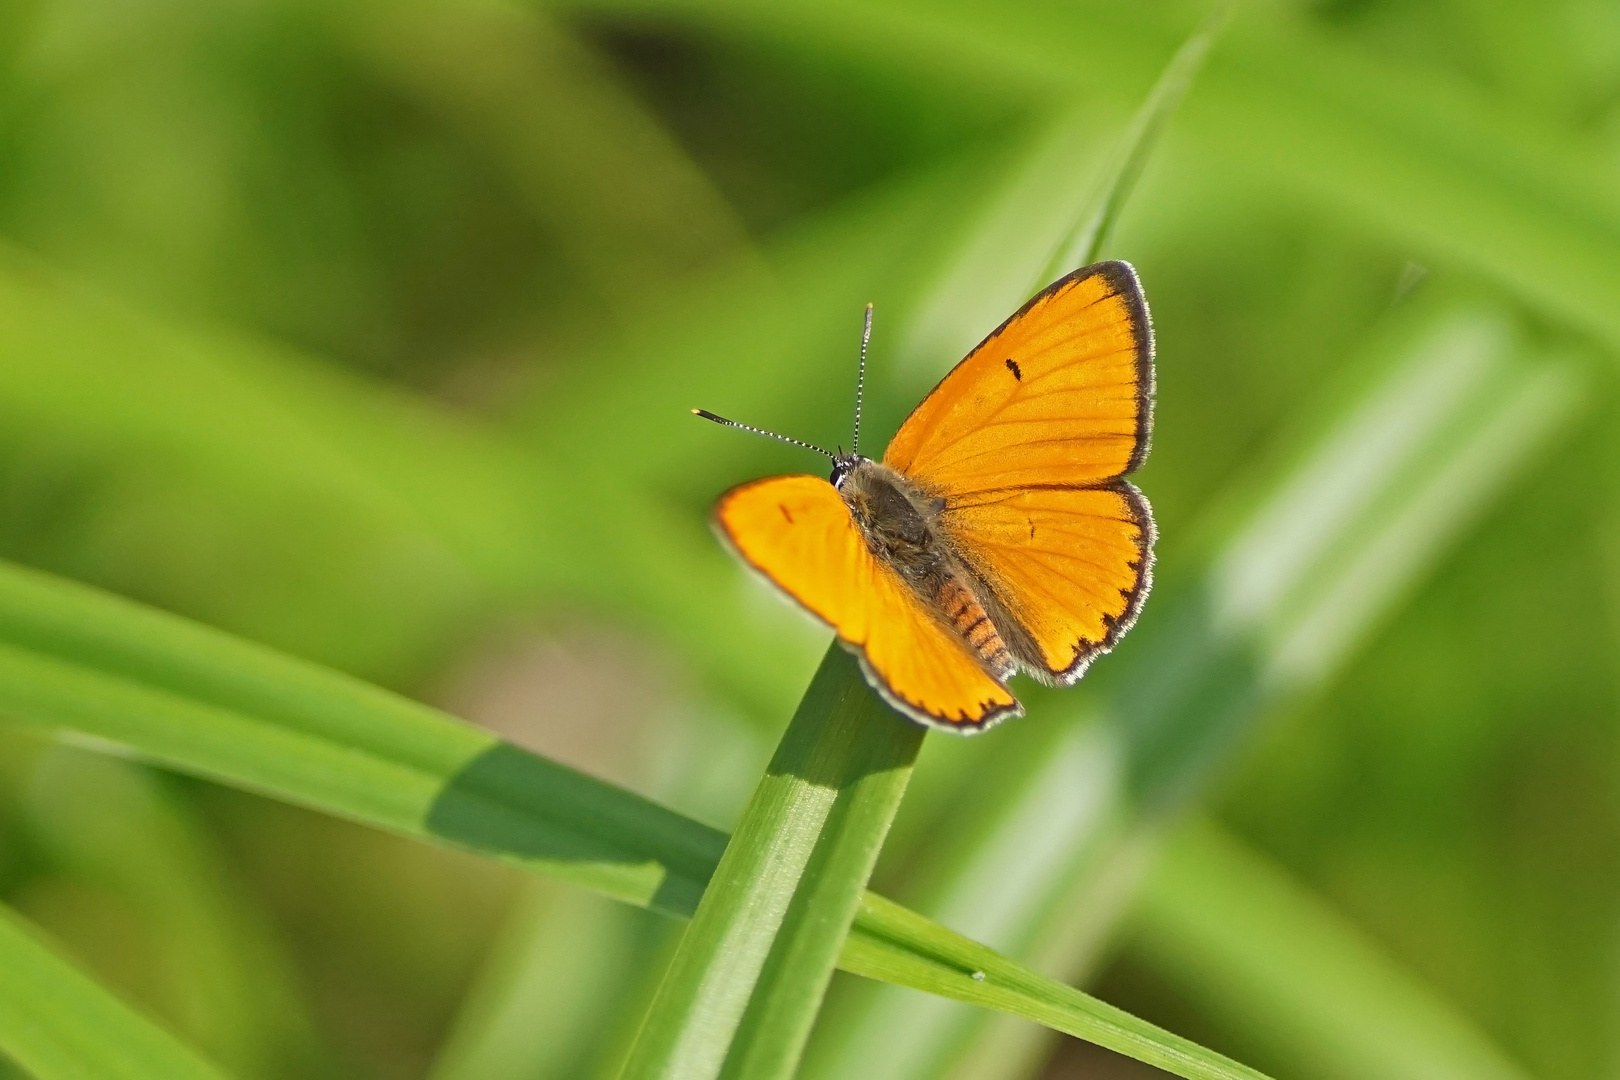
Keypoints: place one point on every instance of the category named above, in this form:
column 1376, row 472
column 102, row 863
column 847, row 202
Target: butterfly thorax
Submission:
column 901, row 524
column 899, row 521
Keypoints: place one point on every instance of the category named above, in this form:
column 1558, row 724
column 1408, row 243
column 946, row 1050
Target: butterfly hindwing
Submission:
column 1060, row 394
column 1070, row 566
column 797, row 531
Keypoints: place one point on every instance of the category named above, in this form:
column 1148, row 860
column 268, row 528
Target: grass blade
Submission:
column 205, row 703
column 1227, row 927
column 120, row 677
column 765, row 939
column 894, row 945
column 59, row 1024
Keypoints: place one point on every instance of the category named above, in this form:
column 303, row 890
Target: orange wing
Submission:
column 1061, row 393
column 1070, row 565
column 797, row 531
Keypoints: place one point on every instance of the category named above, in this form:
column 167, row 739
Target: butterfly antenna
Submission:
column 707, row 415
column 860, row 381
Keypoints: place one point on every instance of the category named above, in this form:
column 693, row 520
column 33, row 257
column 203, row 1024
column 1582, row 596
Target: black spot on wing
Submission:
column 1012, row 366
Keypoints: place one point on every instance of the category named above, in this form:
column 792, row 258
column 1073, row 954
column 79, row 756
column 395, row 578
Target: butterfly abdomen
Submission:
column 971, row 622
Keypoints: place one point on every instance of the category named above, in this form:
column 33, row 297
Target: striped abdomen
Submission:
column 967, row 617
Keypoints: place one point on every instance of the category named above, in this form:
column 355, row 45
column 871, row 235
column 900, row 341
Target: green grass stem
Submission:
column 757, row 956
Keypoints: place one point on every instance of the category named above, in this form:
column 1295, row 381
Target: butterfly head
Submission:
column 843, row 465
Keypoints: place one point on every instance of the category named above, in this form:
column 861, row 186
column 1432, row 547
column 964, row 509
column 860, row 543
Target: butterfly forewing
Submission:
column 797, row 531
column 1059, row 394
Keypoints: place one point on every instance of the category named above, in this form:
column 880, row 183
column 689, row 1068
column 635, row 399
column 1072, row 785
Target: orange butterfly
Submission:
column 998, row 532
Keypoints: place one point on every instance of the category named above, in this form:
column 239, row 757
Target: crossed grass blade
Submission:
column 121, row 677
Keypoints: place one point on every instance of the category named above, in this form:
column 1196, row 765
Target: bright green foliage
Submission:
column 114, row 826
column 361, row 336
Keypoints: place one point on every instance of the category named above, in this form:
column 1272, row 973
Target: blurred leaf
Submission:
column 60, row 1025
column 561, row 966
column 223, row 980
column 119, row 676
column 1045, row 184
column 778, row 351
column 1433, row 163
column 630, row 208
column 1228, row 927
column 437, row 517
column 1429, row 160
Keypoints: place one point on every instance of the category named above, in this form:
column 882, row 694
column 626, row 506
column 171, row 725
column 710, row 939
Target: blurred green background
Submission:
column 368, row 331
